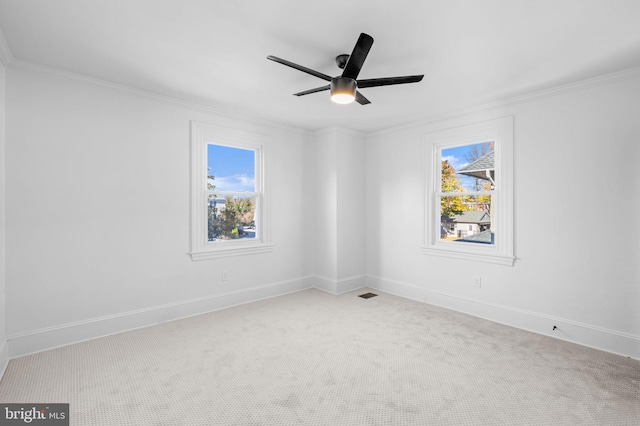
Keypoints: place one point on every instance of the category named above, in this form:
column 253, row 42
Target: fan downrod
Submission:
column 341, row 60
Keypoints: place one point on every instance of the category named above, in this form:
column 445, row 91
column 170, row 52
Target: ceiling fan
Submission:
column 344, row 87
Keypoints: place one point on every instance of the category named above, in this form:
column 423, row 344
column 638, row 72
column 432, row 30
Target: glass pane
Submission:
column 467, row 219
column 230, row 169
column 231, row 218
column 468, row 167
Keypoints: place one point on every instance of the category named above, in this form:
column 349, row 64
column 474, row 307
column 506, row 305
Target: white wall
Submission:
column 324, row 223
column 98, row 213
column 350, row 164
column 339, row 210
column 577, row 238
column 4, row 353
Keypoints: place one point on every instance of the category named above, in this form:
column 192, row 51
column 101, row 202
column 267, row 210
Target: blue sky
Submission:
column 233, row 168
column 457, row 158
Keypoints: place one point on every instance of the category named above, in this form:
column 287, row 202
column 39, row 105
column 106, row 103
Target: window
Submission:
column 232, row 196
column 469, row 192
column 228, row 198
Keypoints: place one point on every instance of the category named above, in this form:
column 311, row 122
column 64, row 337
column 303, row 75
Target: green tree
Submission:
column 244, row 209
column 227, row 221
column 451, row 205
column 212, row 211
column 237, row 213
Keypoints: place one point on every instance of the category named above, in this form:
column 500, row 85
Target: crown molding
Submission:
column 526, row 97
column 337, row 129
column 22, row 65
column 6, row 57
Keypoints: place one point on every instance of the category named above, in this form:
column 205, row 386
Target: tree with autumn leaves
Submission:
column 451, row 205
column 482, row 202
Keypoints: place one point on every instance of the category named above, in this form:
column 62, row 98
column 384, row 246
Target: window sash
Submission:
column 466, row 193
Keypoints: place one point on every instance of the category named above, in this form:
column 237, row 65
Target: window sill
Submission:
column 224, row 250
column 497, row 259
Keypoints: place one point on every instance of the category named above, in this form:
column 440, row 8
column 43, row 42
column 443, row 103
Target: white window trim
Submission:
column 203, row 134
column 501, row 252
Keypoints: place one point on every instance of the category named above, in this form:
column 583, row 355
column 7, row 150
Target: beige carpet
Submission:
column 310, row 358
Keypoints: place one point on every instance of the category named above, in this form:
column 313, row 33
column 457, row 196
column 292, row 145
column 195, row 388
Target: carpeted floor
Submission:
column 310, row 358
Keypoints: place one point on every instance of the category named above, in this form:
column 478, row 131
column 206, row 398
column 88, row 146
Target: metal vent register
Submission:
column 367, row 295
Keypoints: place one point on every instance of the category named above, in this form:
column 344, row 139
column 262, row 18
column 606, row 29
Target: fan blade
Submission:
column 310, row 91
column 357, row 57
column 374, row 82
column 300, row 68
column 361, row 99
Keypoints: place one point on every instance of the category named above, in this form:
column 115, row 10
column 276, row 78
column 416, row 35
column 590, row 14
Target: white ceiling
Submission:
column 213, row 52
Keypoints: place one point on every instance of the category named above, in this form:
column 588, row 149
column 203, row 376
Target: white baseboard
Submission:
column 61, row 335
column 51, row 337
column 613, row 341
column 340, row 286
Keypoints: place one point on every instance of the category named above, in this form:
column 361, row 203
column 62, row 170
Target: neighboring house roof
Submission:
column 480, row 167
column 485, row 237
column 469, row 217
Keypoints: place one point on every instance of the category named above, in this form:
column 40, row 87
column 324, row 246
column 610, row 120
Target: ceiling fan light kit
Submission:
column 344, row 88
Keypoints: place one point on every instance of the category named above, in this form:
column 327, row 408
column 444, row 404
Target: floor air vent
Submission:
column 368, row 295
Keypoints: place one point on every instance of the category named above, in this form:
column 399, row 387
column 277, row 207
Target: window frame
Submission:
column 500, row 131
column 202, row 135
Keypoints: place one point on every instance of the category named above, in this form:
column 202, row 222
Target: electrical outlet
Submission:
column 225, row 276
column 477, row 282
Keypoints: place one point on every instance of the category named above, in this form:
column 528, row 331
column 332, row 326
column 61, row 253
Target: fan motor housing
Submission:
column 341, row 60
